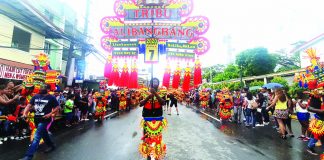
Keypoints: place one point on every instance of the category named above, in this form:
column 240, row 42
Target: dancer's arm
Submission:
column 312, row 109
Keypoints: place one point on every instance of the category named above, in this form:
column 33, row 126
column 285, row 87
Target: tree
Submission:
column 230, row 72
column 281, row 81
column 287, row 63
column 256, row 61
column 211, row 71
column 256, row 83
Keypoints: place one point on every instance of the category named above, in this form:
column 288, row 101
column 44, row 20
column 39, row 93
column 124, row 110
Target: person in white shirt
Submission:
column 303, row 116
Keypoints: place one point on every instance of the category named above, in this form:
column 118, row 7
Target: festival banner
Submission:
column 151, row 54
column 124, row 44
column 121, row 53
column 180, row 55
column 169, row 14
column 181, row 45
column 189, row 29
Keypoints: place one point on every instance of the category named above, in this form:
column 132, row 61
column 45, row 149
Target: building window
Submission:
column 47, row 48
column 21, row 39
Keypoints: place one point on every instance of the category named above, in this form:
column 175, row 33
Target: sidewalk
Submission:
column 262, row 138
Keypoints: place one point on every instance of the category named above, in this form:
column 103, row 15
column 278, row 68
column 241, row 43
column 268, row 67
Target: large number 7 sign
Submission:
column 151, row 54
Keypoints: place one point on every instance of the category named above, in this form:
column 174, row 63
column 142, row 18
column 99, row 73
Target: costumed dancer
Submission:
column 122, row 100
column 100, row 107
column 204, row 99
column 153, row 124
column 316, row 126
column 225, row 106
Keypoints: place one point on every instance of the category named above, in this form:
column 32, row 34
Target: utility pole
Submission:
column 241, row 76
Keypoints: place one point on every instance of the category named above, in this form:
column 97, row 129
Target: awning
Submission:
column 16, row 64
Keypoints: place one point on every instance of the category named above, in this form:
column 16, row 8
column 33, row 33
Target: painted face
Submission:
column 155, row 83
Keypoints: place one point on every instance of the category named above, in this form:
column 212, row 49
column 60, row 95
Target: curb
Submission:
column 111, row 114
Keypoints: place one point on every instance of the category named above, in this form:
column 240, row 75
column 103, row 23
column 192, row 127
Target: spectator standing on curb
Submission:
column 303, row 116
column 68, row 110
column 238, row 102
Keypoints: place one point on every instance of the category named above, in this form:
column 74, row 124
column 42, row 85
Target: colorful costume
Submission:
column 42, row 75
column 101, row 103
column 152, row 144
column 122, row 100
column 100, row 109
column 152, row 140
column 204, row 99
column 226, row 104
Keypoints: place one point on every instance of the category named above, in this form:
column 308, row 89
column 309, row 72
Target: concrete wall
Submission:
column 6, row 32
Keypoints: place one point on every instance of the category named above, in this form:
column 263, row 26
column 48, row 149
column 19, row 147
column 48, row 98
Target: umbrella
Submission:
column 254, row 88
column 273, row 85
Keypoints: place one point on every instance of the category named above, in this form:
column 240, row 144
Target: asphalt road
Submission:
column 190, row 136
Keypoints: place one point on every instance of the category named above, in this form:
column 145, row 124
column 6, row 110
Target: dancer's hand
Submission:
column 152, row 90
column 47, row 116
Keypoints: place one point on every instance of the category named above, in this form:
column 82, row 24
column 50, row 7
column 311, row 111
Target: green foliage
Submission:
column 230, row 72
column 288, row 63
column 287, row 68
column 294, row 89
column 231, row 86
column 281, row 81
column 256, row 61
column 212, row 71
column 256, row 83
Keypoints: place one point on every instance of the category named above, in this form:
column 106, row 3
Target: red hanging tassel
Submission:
column 197, row 74
column 186, row 79
column 176, row 77
column 166, row 76
column 124, row 77
column 108, row 67
column 114, row 77
column 133, row 76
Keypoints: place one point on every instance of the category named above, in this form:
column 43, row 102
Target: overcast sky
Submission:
column 274, row 24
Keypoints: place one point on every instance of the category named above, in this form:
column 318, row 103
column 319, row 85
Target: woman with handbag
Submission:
column 250, row 110
column 281, row 111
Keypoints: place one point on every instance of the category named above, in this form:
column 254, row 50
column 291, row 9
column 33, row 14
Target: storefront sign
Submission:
column 124, row 53
column 126, row 44
column 151, row 53
column 10, row 72
column 181, row 45
column 152, row 13
column 171, row 54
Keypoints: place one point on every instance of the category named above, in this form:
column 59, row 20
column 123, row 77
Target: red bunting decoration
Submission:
column 166, row 76
column 108, row 67
column 186, row 79
column 176, row 77
column 134, row 76
column 114, row 77
column 124, row 77
column 197, row 73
